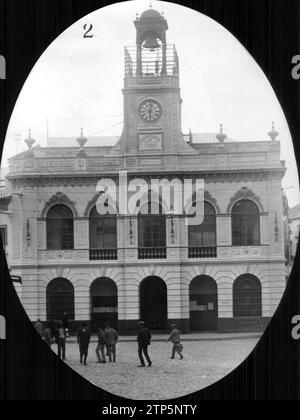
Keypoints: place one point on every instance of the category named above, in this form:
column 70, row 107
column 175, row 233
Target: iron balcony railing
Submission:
column 152, row 253
column 148, row 253
column 103, row 254
column 202, row 252
column 151, row 63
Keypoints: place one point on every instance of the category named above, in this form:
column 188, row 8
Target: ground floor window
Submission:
column 60, row 300
column 247, row 297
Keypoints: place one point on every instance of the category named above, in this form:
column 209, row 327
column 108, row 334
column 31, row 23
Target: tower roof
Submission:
column 151, row 20
column 151, row 14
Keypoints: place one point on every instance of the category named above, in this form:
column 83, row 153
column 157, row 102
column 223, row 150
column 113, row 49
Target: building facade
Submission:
column 294, row 228
column 227, row 274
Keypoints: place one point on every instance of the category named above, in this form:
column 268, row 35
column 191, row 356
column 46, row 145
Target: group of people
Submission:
column 107, row 341
column 54, row 333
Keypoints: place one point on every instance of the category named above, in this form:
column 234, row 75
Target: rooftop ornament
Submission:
column 29, row 141
column 82, row 140
column 221, row 136
column 273, row 133
column 190, row 136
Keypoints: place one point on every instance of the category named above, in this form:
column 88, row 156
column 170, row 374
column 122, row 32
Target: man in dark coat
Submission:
column 83, row 339
column 143, row 339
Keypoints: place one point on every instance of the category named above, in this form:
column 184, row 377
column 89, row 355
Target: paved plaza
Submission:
column 204, row 363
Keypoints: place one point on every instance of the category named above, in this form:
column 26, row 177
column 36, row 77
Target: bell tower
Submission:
column 152, row 102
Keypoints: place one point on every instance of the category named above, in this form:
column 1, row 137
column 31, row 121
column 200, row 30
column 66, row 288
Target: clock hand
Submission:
column 151, row 111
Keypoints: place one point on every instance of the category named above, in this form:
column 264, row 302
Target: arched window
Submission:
column 205, row 233
column 245, row 223
column 60, row 299
column 152, row 234
column 103, row 235
column 203, row 238
column 60, row 228
column 247, row 298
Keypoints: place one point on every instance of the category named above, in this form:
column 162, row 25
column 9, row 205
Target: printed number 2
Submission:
column 2, row 67
column 296, row 69
column 87, row 31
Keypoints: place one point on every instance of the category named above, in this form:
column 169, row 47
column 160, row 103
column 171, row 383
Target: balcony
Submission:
column 103, row 254
column 202, row 252
column 181, row 253
column 152, row 253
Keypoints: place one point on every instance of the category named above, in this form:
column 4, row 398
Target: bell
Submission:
column 151, row 41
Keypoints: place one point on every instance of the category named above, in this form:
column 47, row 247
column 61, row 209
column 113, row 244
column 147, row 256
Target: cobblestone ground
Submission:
column 204, row 363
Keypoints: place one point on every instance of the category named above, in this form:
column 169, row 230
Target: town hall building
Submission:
column 226, row 274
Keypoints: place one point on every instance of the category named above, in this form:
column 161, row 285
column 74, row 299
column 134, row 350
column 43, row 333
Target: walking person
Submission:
column 83, row 339
column 143, row 339
column 65, row 322
column 39, row 327
column 52, row 327
column 100, row 349
column 111, row 339
column 61, row 341
column 175, row 339
column 48, row 335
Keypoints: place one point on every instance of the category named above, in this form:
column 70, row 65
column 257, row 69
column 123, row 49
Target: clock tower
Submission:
column 152, row 102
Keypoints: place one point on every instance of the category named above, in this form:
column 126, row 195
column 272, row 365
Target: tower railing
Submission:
column 151, row 62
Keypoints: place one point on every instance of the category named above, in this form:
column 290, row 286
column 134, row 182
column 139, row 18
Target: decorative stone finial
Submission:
column 273, row 133
column 221, row 136
column 82, row 140
column 29, row 141
column 81, row 154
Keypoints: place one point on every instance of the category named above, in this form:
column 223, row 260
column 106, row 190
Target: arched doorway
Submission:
column 154, row 303
column 104, row 302
column 60, row 299
column 203, row 304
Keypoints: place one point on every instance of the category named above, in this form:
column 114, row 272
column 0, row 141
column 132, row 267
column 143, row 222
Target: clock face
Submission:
column 150, row 111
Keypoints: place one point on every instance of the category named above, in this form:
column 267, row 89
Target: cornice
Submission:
column 92, row 179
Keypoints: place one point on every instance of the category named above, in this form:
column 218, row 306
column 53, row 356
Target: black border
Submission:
column 269, row 29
